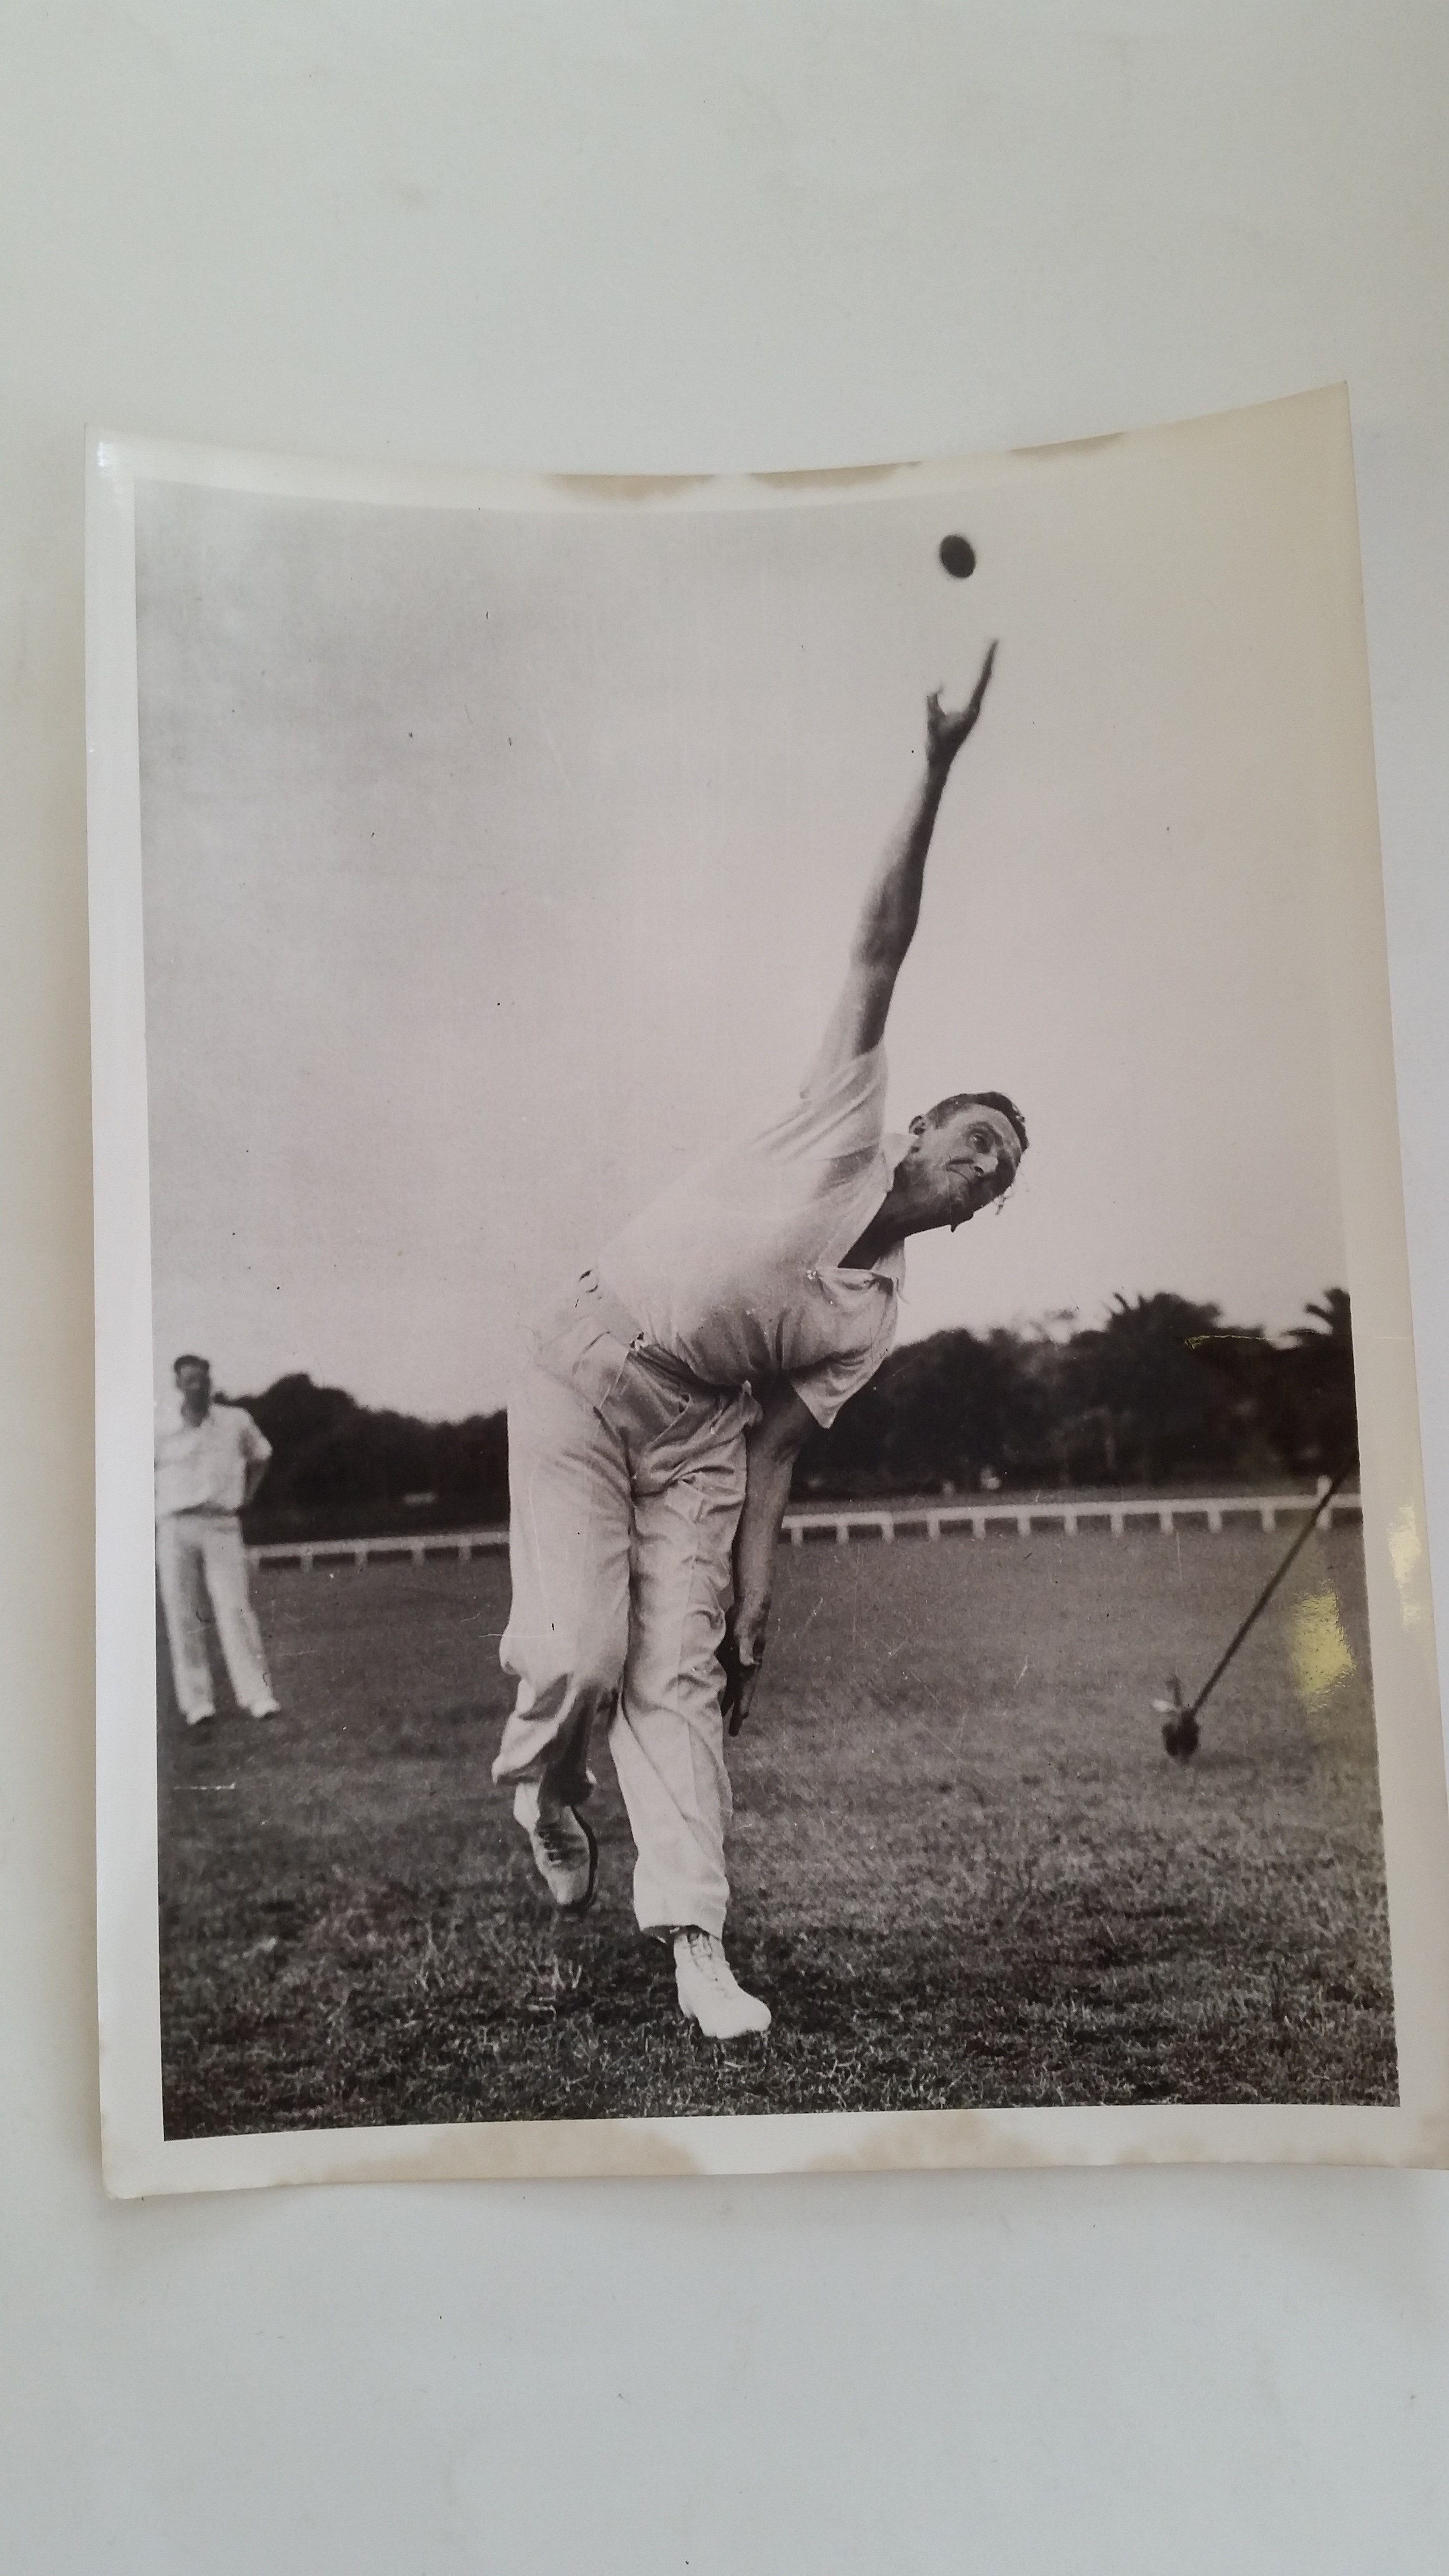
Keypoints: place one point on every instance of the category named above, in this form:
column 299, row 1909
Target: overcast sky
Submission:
column 500, row 862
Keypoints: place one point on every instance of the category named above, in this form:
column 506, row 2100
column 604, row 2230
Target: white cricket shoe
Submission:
column 199, row 1716
column 264, row 1707
column 565, row 1853
column 708, row 1991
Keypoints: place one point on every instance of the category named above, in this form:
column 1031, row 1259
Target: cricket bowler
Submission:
column 653, row 1435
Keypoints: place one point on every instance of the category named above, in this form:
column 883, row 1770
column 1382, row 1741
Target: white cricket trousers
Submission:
column 200, row 1553
column 626, row 1480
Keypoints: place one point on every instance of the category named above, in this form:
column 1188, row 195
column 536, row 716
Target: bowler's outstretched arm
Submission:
column 892, row 905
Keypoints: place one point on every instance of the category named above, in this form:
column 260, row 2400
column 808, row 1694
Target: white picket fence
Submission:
column 922, row 1520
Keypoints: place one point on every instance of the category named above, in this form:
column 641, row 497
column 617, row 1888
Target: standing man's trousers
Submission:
column 626, row 1480
column 200, row 1553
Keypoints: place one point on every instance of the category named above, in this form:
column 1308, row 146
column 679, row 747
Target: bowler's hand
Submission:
column 741, row 1651
column 945, row 733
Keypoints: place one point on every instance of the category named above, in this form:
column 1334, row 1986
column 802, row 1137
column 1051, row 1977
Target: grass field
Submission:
column 965, row 1873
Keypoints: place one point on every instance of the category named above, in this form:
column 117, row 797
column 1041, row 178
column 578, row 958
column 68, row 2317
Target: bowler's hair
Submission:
column 997, row 1100
column 190, row 1359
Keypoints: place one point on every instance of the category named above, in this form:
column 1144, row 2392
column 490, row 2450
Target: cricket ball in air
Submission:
column 959, row 557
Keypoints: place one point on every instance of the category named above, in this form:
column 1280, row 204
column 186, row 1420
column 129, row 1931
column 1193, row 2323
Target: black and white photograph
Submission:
column 727, row 1279
column 760, row 1218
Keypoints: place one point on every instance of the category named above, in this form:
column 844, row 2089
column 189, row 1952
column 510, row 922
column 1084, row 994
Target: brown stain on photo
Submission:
column 627, row 487
column 827, row 478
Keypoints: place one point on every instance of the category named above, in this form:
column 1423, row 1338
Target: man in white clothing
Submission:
column 653, row 1436
column 210, row 1459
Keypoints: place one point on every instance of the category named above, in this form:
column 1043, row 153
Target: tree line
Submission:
column 1163, row 1392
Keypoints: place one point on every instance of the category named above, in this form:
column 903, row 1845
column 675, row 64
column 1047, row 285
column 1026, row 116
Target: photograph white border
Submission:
column 138, row 2158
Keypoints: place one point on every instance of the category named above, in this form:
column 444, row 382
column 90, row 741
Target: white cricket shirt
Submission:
column 736, row 1271
column 202, row 1466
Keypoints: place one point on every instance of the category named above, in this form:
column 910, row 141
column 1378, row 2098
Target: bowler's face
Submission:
column 966, row 1163
column 195, row 1384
